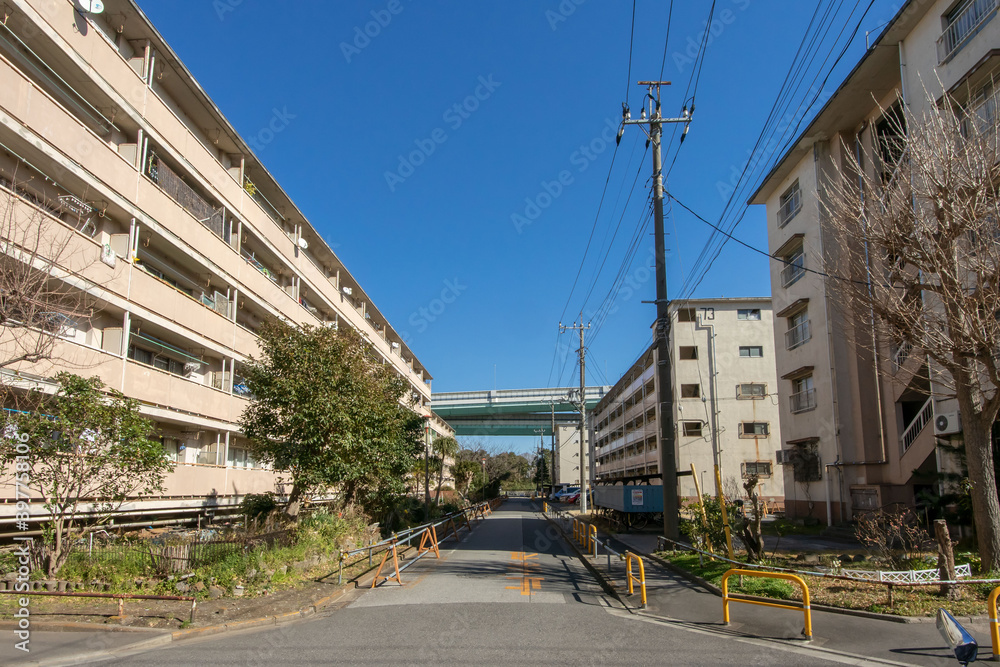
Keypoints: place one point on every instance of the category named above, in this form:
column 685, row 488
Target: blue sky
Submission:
column 430, row 204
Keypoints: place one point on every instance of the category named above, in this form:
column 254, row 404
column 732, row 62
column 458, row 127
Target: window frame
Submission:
column 741, row 429
column 749, row 349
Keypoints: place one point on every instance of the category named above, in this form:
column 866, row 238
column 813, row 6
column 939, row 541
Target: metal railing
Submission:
column 795, row 268
column 789, row 209
column 798, row 335
column 120, row 597
column 807, row 631
column 899, row 356
column 917, row 425
column 963, row 24
column 802, row 401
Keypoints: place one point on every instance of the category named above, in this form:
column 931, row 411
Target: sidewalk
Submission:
column 908, row 641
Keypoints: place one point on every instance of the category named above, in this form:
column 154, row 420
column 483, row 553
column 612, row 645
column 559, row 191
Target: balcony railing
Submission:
column 917, row 425
column 802, row 401
column 794, row 269
column 797, row 335
column 789, row 209
column 966, row 20
column 900, row 355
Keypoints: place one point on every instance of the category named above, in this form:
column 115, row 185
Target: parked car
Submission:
column 557, row 490
column 569, row 491
column 575, row 498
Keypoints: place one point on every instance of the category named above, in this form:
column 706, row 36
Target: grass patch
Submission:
column 712, row 571
column 780, row 527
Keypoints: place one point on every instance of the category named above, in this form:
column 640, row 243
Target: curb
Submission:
column 153, row 642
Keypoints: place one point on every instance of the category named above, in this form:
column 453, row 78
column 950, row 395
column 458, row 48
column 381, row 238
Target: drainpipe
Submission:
column 712, row 398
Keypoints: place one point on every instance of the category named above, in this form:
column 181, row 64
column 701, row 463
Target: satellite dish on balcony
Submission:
column 90, row 6
column 303, row 243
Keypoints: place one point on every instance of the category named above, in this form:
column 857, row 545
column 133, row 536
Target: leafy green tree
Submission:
column 327, row 410
column 82, row 445
column 444, row 448
column 463, row 471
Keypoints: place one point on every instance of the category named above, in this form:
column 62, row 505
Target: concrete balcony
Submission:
column 151, row 385
column 199, row 480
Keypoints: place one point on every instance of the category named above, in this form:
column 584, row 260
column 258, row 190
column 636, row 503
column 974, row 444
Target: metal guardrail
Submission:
column 641, row 579
column 807, row 630
column 429, row 538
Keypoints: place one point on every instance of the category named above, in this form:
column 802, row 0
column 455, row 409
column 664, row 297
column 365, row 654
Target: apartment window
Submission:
column 790, row 204
column 691, row 429
column 803, row 396
column 171, row 449
column 751, row 351
column 753, row 429
column 799, row 331
column 758, row 468
column 688, row 352
column 690, row 391
column 686, row 315
column 795, row 266
column 804, row 458
column 962, row 23
column 890, row 134
column 979, row 115
column 749, row 314
column 751, row 390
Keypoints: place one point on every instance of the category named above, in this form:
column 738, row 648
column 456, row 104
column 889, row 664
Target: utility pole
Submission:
column 668, row 445
column 552, row 406
column 583, row 410
column 541, row 457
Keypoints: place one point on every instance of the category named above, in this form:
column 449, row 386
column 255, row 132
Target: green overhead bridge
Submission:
column 513, row 411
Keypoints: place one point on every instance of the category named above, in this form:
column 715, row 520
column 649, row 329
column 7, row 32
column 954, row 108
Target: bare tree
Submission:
column 917, row 256
column 37, row 305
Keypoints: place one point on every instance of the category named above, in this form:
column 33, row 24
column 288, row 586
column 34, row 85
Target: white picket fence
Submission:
column 906, row 576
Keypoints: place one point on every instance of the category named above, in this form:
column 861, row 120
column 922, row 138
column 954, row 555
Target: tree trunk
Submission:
column 946, row 559
column 437, row 496
column 985, row 506
column 295, row 502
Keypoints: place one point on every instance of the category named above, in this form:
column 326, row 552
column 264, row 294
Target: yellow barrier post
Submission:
column 991, row 608
column 807, row 630
column 593, row 540
column 575, row 522
column 629, row 557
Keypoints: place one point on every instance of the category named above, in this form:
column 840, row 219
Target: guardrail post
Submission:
column 991, row 608
column 593, row 539
column 806, row 610
column 629, row 557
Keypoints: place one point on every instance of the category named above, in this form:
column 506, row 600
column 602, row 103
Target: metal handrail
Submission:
column 121, row 597
column 807, row 631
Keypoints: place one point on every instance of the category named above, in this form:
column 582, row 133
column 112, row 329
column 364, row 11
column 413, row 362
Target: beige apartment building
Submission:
column 724, row 409
column 177, row 233
column 860, row 430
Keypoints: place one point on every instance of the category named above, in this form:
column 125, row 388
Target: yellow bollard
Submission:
column 991, row 608
column 807, row 631
column 629, row 557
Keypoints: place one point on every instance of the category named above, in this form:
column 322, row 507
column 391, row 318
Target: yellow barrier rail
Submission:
column 991, row 607
column 807, row 630
column 576, row 529
column 641, row 579
column 592, row 540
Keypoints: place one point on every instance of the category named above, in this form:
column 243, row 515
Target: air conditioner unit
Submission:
column 783, row 457
column 947, row 423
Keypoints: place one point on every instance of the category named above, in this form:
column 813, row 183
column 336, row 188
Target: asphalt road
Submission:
column 510, row 593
